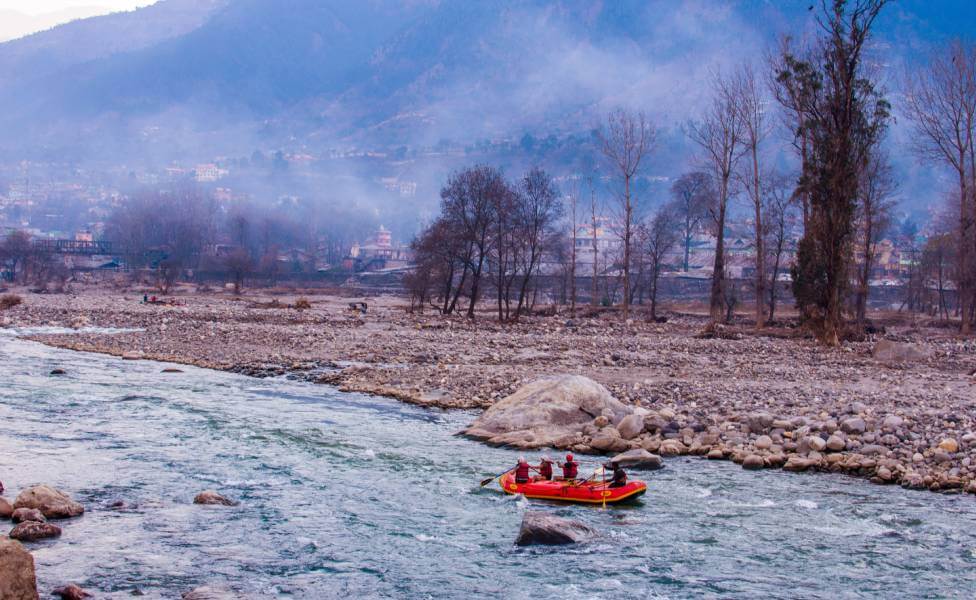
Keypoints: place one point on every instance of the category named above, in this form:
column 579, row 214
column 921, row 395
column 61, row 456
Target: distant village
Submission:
column 70, row 218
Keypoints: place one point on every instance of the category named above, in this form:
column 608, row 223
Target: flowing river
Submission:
column 351, row 496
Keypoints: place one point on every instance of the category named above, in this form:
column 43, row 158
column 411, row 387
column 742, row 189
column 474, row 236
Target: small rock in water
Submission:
column 17, row 579
column 58, row 372
column 133, row 355
column 172, row 370
column 71, row 592
column 212, row 498
column 31, row 531
column 53, row 503
column 6, row 509
column 21, row 515
column 542, row 528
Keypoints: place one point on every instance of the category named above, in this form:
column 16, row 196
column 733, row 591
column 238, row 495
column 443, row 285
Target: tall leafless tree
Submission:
column 572, row 199
column 780, row 206
column 941, row 101
column 719, row 134
column 874, row 218
column 626, row 140
column 660, row 239
column 538, row 211
column 691, row 196
column 750, row 103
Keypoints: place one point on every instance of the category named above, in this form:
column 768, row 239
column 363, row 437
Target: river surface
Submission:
column 351, row 496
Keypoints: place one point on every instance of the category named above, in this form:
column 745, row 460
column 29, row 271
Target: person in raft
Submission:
column 545, row 469
column 522, row 471
column 570, row 468
column 619, row 478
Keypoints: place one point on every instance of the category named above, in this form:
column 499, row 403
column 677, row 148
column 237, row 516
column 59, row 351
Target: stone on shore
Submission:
column 949, row 445
column 17, row 578
column 543, row 528
column 71, row 592
column 631, row 426
column 27, row 514
column 53, row 503
column 133, row 355
column 753, row 462
column 547, row 412
column 31, row 531
column 212, row 498
column 6, row 509
column 638, row 458
column 889, row 351
column 854, row 425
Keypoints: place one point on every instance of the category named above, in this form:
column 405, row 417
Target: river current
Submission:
column 352, row 496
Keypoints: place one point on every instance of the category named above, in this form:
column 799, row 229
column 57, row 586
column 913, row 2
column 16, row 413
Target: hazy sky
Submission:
column 36, row 7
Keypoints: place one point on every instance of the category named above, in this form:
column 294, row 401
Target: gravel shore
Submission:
column 761, row 400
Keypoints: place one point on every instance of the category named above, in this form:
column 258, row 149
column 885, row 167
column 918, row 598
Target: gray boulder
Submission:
column 547, row 411
column 27, row 514
column 542, row 528
column 17, row 578
column 854, row 425
column 631, row 426
column 638, row 458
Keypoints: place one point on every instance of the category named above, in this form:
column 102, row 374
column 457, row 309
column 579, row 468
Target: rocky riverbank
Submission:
column 896, row 414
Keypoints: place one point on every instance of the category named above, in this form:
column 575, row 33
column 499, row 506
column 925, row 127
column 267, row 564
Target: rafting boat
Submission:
column 595, row 492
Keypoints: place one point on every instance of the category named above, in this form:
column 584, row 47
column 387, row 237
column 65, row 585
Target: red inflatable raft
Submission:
column 591, row 492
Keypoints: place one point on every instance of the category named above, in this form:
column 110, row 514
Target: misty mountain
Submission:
column 194, row 79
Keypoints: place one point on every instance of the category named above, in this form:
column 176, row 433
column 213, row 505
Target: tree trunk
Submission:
column 717, row 298
column 628, row 210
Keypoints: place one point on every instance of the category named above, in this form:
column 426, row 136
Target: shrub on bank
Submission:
column 303, row 304
column 10, row 301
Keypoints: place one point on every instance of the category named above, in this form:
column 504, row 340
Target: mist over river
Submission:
column 345, row 495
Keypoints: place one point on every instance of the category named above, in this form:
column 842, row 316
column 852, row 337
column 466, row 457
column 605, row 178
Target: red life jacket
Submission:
column 545, row 469
column 570, row 469
column 522, row 471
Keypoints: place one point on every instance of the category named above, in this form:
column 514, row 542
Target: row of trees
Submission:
column 490, row 230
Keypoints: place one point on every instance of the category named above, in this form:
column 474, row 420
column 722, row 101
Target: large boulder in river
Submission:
column 889, row 351
column 53, row 504
column 638, row 458
column 547, row 412
column 17, row 579
column 542, row 528
column 27, row 514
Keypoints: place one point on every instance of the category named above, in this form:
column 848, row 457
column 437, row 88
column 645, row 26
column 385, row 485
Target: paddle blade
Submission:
column 485, row 482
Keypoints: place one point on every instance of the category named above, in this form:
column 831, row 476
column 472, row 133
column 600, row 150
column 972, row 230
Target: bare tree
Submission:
column 780, row 206
column 572, row 199
column 751, row 105
column 469, row 200
column 594, row 243
column 941, row 101
column 167, row 272
column 626, row 140
column 719, row 134
column 691, row 194
column 874, row 218
column 238, row 265
column 538, row 211
column 17, row 249
column 661, row 238
column 938, row 257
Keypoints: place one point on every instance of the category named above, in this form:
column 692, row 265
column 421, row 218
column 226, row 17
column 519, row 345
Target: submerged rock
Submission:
column 550, row 411
column 58, row 372
column 31, row 531
column 17, row 578
column 638, row 458
column 212, row 498
column 542, row 528
column 53, row 503
column 27, row 514
column 208, row 592
column 70, row 592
